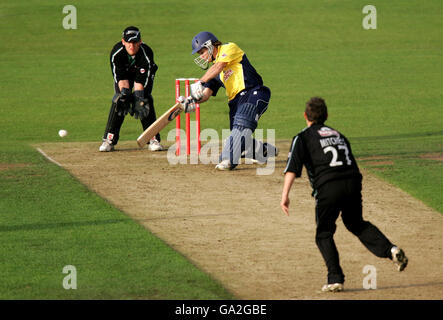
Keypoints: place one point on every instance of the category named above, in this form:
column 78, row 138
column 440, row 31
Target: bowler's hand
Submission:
column 287, row 184
column 284, row 204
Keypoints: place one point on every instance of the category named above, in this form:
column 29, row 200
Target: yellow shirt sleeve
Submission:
column 229, row 53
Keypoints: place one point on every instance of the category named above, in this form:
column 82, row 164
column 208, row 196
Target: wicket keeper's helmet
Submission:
column 201, row 40
column 131, row 34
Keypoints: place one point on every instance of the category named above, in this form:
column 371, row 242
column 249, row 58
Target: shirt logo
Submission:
column 227, row 74
column 327, row 132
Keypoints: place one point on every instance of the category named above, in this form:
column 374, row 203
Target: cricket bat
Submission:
column 159, row 124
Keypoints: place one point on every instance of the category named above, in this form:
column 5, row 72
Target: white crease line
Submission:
column 49, row 158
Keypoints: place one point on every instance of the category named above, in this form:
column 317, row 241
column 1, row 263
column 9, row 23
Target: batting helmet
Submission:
column 202, row 39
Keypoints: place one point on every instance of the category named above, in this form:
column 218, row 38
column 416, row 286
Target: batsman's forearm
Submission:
column 206, row 95
column 213, row 71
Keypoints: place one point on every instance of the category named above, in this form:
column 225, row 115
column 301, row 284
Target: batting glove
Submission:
column 187, row 103
column 197, row 90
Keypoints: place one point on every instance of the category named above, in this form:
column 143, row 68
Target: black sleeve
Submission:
column 214, row 85
column 147, row 68
column 296, row 156
column 118, row 67
column 351, row 154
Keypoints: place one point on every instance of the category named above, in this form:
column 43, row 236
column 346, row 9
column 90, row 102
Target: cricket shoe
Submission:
column 224, row 165
column 266, row 150
column 154, row 145
column 399, row 258
column 333, row 287
column 265, row 154
column 248, row 160
column 106, row 146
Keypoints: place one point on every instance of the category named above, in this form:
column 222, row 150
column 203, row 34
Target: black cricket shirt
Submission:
column 325, row 153
column 141, row 68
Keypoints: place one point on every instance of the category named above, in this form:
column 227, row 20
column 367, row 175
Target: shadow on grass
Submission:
column 41, row 226
column 409, row 145
column 398, row 136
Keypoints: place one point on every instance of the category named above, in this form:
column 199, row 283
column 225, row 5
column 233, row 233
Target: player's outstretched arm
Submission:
column 213, row 71
column 207, row 93
column 287, row 184
column 199, row 93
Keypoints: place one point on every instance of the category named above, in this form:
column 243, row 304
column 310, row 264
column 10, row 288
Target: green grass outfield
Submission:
column 383, row 88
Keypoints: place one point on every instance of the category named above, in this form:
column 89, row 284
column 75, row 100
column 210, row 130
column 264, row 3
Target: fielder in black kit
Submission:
column 133, row 68
column 337, row 184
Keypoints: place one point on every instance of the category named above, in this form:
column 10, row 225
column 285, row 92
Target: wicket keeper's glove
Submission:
column 122, row 102
column 141, row 108
column 142, row 105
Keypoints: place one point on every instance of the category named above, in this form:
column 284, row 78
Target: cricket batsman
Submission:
column 248, row 97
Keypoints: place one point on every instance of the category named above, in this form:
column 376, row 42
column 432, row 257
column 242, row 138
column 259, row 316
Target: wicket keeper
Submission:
column 248, row 97
column 133, row 69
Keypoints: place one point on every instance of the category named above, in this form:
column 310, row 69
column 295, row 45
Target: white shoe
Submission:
column 252, row 161
column 223, row 165
column 399, row 258
column 154, row 145
column 255, row 161
column 106, row 146
column 333, row 287
column 248, row 160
